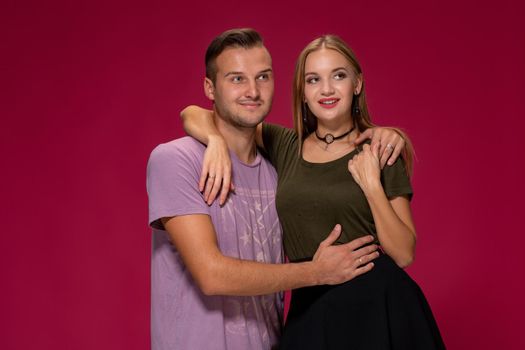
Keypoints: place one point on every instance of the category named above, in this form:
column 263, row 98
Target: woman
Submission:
column 384, row 308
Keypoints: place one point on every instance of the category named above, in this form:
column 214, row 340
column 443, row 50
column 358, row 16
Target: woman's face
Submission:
column 329, row 86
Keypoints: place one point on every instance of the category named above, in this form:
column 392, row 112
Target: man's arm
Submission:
column 216, row 274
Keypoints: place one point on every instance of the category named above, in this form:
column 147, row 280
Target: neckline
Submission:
column 254, row 164
column 344, row 157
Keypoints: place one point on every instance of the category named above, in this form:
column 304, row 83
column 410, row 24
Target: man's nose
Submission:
column 252, row 90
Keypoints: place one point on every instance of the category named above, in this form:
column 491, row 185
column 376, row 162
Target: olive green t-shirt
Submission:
column 313, row 197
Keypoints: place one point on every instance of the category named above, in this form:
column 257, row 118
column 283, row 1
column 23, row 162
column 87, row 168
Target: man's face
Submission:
column 243, row 88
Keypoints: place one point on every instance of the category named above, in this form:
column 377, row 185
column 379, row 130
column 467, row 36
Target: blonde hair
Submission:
column 305, row 121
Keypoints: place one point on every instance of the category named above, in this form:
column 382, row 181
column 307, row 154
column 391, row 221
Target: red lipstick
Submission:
column 328, row 102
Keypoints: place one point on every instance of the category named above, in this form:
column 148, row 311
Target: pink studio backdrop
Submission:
column 90, row 87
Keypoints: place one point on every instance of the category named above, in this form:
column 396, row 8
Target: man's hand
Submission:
column 336, row 264
column 389, row 142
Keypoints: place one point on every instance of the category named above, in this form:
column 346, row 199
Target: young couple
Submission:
column 346, row 222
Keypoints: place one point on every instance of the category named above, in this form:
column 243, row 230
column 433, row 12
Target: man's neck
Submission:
column 239, row 140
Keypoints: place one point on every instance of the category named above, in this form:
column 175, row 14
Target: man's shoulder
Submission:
column 182, row 148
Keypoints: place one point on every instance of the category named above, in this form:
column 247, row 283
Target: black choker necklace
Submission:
column 329, row 138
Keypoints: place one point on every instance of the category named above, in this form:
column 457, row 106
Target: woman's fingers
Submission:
column 226, row 186
column 216, row 186
column 209, row 186
column 216, row 176
column 203, row 177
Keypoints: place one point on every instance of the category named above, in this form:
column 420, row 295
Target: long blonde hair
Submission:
column 305, row 121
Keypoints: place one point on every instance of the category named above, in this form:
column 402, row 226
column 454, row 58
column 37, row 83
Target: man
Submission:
column 217, row 270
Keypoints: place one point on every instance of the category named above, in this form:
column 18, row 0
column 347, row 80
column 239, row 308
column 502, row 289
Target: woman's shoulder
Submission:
column 280, row 143
column 276, row 130
column 277, row 136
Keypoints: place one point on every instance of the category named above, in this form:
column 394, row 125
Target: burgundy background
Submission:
column 90, row 87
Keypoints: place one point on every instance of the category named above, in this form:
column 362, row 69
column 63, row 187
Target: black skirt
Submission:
column 382, row 309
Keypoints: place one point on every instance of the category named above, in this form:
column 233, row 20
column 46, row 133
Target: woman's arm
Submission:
column 216, row 166
column 393, row 218
column 198, row 123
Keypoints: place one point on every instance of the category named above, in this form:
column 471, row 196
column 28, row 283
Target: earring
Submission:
column 309, row 122
column 356, row 111
column 304, row 112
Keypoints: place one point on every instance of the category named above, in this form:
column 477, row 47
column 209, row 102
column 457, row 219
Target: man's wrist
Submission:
column 313, row 273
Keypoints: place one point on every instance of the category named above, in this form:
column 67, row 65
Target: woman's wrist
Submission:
column 372, row 189
column 216, row 140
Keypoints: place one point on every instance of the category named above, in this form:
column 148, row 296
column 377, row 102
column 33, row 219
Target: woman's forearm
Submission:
column 198, row 123
column 394, row 226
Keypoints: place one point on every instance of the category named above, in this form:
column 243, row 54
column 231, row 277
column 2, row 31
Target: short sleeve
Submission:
column 172, row 183
column 280, row 143
column 395, row 180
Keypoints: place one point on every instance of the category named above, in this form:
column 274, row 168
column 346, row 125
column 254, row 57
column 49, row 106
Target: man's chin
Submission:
column 248, row 124
column 251, row 120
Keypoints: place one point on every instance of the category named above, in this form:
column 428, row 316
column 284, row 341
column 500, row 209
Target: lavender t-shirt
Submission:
column 247, row 228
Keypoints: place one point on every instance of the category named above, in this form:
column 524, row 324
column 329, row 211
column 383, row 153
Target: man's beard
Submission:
column 237, row 120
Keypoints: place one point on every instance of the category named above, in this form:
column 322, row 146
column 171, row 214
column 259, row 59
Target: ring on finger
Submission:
column 360, row 260
column 211, row 176
column 389, row 147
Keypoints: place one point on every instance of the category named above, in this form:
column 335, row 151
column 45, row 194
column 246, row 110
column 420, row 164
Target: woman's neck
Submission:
column 335, row 127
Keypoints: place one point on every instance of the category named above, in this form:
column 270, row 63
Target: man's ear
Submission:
column 209, row 89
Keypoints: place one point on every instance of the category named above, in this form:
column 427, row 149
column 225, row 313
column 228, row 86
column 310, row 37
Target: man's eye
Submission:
column 263, row 77
column 237, row 79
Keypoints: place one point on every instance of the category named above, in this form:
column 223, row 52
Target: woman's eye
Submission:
column 312, row 80
column 340, row 76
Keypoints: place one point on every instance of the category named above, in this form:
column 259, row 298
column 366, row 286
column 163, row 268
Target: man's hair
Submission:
column 241, row 37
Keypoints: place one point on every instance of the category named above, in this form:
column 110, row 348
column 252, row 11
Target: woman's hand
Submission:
column 388, row 140
column 216, row 172
column 216, row 165
column 365, row 168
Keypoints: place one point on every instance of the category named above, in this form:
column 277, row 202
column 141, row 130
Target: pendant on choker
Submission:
column 329, row 138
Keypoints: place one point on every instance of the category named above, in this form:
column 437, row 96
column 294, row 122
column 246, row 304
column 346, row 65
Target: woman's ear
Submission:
column 358, row 84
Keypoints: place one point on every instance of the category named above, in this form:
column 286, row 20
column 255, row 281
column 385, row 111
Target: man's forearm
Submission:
column 216, row 273
column 230, row 276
